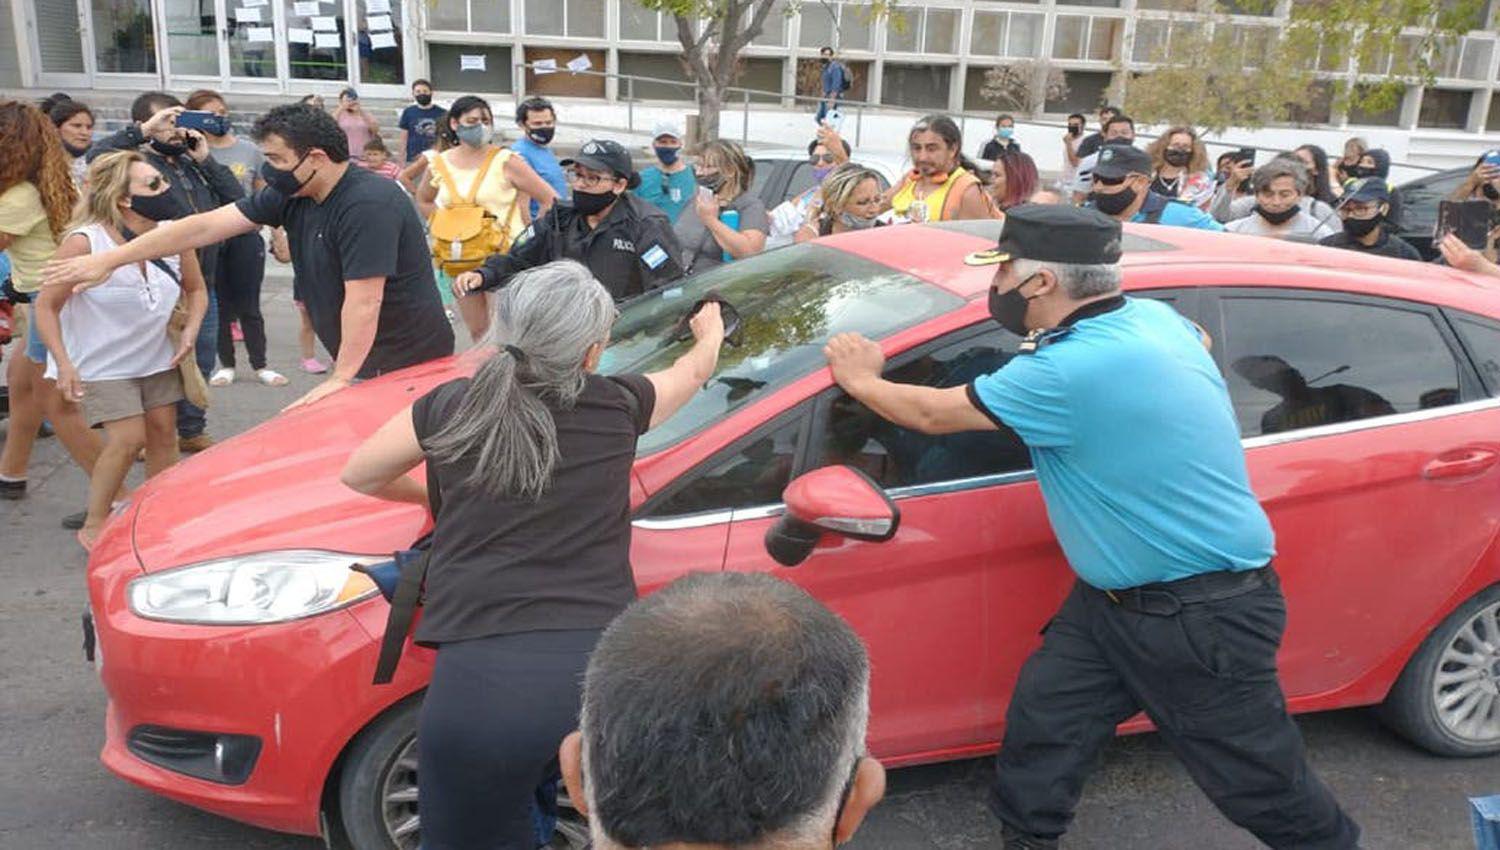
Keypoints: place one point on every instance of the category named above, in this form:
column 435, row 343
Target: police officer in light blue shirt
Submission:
column 1176, row 611
column 1121, row 189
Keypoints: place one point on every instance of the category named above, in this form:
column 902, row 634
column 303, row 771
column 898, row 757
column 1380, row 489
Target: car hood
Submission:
column 277, row 485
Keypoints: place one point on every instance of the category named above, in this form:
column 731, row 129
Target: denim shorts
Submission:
column 36, row 350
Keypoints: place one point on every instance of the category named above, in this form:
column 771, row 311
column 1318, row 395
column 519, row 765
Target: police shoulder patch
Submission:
column 525, row 236
column 654, row 257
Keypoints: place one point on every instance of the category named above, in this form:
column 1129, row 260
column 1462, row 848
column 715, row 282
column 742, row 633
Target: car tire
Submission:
column 1447, row 700
column 377, row 789
column 382, row 762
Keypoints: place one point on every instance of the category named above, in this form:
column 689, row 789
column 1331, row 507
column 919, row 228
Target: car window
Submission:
column 899, row 457
column 1419, row 200
column 1302, row 362
column 802, row 180
column 1482, row 338
column 792, row 301
column 764, row 170
column 754, row 474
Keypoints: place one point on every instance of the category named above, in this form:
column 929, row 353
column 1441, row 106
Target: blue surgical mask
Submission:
column 1005, row 132
column 668, row 156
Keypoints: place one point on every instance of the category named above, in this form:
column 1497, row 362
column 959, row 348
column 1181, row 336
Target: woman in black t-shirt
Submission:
column 530, row 461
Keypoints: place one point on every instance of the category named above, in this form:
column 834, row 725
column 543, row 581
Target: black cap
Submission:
column 1054, row 233
column 603, row 155
column 1116, row 161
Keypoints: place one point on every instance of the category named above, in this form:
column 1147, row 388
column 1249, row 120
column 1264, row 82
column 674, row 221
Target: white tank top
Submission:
column 118, row 329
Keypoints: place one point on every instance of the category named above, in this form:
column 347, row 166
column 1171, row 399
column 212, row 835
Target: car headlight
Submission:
column 263, row 587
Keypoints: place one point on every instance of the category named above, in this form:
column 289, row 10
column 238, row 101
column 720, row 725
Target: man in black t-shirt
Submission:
column 357, row 248
column 1363, row 210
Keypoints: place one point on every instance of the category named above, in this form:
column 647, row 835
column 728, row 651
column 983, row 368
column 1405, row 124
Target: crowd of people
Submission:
column 138, row 260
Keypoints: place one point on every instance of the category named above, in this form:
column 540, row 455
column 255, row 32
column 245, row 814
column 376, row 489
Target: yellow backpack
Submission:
column 464, row 233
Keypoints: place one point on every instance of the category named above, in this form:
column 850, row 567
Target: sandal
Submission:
column 271, row 377
column 222, row 378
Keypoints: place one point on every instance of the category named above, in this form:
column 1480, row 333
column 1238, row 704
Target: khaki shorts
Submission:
column 108, row 401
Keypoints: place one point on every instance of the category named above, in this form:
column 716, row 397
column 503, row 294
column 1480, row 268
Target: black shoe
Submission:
column 1017, row 840
column 73, row 522
column 13, row 489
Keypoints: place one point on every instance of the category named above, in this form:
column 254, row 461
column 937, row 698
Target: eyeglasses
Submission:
column 588, row 181
column 820, row 158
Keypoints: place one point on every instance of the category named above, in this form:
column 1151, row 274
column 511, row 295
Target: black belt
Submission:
column 1166, row 598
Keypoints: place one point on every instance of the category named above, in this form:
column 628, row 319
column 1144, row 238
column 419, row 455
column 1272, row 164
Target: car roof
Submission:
column 935, row 253
column 890, row 165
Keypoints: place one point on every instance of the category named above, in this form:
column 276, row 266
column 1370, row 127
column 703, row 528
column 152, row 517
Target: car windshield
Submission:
column 791, row 302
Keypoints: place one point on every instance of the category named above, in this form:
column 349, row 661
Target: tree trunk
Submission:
column 710, row 102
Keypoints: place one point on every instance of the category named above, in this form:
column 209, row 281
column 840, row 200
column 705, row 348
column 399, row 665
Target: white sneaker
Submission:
column 221, row 378
column 271, row 377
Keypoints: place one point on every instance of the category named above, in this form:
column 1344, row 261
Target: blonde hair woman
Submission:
column 107, row 344
column 730, row 223
column 849, row 200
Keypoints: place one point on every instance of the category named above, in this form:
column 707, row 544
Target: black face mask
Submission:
column 284, row 181
column 74, row 151
column 1009, row 308
column 711, row 182
column 1491, row 192
column 163, row 207
column 1357, row 171
column 1359, row 228
column 1126, row 142
column 1075, row 130
column 1113, row 204
column 541, row 135
column 593, row 203
column 1177, row 158
column 424, row 100
column 1282, row 217
column 168, row 149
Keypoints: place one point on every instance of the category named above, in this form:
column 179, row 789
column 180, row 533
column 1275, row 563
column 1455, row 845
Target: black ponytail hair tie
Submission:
column 516, row 353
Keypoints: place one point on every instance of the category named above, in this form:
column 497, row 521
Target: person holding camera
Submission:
column 199, row 183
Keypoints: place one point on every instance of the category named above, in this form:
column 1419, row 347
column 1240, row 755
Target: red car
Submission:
column 237, row 647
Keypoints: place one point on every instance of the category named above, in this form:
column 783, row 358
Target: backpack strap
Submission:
column 484, row 170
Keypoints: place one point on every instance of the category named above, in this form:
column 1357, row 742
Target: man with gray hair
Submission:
column 726, row 710
column 1280, row 187
column 1176, row 611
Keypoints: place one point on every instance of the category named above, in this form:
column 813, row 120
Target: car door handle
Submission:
column 1460, row 463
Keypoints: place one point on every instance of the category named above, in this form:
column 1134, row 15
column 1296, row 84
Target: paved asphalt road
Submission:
column 56, row 794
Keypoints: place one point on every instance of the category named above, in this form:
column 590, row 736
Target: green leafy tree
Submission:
column 1336, row 55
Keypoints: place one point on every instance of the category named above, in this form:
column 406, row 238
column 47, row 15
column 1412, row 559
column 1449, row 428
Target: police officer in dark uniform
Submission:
column 1177, row 611
column 627, row 243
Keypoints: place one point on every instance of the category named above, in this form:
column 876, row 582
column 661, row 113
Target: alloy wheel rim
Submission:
column 398, row 796
column 1466, row 688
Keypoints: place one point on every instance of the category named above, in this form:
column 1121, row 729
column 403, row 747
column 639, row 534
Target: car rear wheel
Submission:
column 378, row 789
column 1447, row 700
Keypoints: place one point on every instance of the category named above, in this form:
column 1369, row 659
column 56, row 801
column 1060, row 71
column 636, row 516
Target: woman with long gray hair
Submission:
column 528, row 479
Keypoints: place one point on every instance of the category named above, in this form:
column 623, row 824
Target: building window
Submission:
column 1015, row 34
column 1390, row 117
column 773, row 30
column 1150, row 40
column 1474, row 62
column 819, row 22
column 661, row 66
column 923, row 30
column 1168, row 5
column 447, row 59
column 585, row 18
column 572, row 18
column 1023, row 38
column 1444, row 109
column 1492, row 124
column 941, row 34
column 1112, row 4
column 919, row 86
column 124, row 37
column 637, row 23
column 1319, row 110
column 1087, row 90
column 1082, row 37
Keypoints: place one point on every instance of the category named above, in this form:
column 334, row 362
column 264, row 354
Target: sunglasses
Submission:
column 819, row 158
column 1109, row 181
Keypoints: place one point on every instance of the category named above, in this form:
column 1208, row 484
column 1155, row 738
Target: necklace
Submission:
column 1173, row 186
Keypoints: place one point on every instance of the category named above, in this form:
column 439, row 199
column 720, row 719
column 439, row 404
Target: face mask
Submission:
column 474, row 135
column 854, row 222
column 1358, row 228
column 1075, row 130
column 1177, row 158
column 1282, row 217
column 822, row 171
column 668, row 156
column 1491, row 192
column 424, row 100
column 1009, row 308
column 1004, row 132
column 711, row 182
column 1357, row 171
column 1113, row 204
column 592, row 203
column 163, row 207
column 541, row 135
column 168, row 148
column 1126, row 142
column 824, row 61
column 75, row 152
column 284, row 181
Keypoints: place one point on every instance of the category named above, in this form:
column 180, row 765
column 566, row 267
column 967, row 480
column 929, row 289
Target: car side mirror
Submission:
column 832, row 500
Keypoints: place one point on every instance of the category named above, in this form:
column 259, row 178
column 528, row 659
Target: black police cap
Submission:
column 605, row 155
column 1054, row 233
column 1116, row 161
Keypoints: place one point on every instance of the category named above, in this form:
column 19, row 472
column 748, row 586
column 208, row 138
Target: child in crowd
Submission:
column 378, row 159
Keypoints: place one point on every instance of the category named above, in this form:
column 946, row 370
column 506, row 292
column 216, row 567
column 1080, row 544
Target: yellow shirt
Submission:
column 497, row 195
column 23, row 217
column 934, row 201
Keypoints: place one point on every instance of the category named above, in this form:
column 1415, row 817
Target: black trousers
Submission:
column 1205, row 675
column 493, row 717
column 242, row 270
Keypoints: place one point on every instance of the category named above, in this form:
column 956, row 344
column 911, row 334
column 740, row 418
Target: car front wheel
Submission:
column 1447, row 700
column 378, row 789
